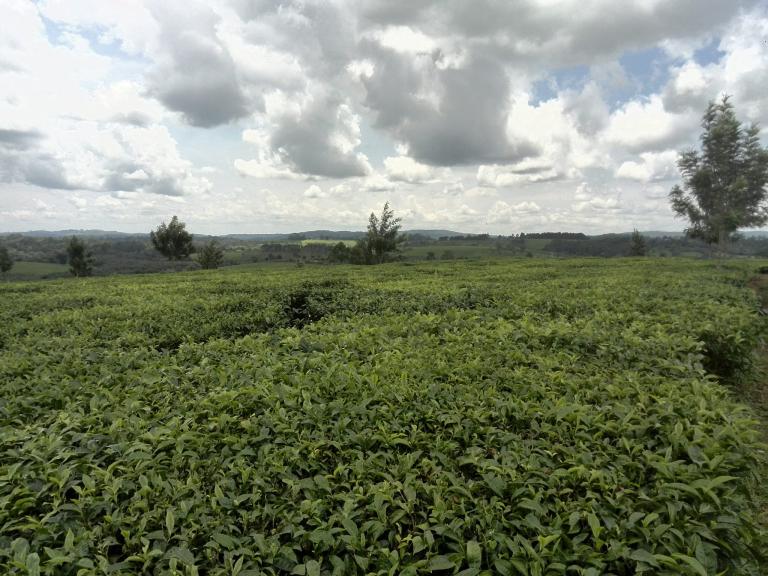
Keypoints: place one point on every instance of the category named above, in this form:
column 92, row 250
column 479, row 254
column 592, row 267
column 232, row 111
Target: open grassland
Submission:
column 35, row 270
column 451, row 250
column 533, row 418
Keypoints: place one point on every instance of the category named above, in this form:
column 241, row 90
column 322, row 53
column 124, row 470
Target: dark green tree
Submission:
column 211, row 256
column 172, row 240
column 6, row 262
column 340, row 253
column 382, row 237
column 638, row 247
column 80, row 260
column 724, row 184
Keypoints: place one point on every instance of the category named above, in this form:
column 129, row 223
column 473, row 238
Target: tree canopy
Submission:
column 638, row 247
column 80, row 260
column 211, row 256
column 172, row 240
column 6, row 262
column 382, row 236
column 724, row 183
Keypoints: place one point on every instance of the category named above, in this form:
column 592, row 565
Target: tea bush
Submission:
column 531, row 418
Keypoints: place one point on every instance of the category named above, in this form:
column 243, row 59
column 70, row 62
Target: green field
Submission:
column 529, row 417
column 451, row 251
column 36, row 270
column 328, row 242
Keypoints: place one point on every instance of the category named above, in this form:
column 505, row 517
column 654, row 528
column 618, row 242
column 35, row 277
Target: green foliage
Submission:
column 211, row 256
column 79, row 258
column 724, row 185
column 638, row 247
column 382, row 238
column 453, row 418
column 6, row 262
column 340, row 253
column 172, row 240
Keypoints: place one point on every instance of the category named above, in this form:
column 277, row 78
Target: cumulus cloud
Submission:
column 23, row 158
column 586, row 200
column 446, row 117
column 405, row 169
column 653, row 166
column 587, row 108
column 742, row 72
column 502, row 212
column 646, row 125
column 377, row 183
column 314, row 191
column 125, row 111
column 318, row 136
column 321, row 140
column 194, row 73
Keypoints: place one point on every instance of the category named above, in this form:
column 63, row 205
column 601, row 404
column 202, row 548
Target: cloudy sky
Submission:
column 266, row 115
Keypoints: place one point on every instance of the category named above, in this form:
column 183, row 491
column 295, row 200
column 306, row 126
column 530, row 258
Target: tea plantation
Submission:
column 523, row 418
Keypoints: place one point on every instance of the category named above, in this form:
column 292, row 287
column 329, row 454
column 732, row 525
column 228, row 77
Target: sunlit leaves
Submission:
column 524, row 418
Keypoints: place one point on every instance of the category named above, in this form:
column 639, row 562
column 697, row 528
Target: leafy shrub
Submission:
column 518, row 418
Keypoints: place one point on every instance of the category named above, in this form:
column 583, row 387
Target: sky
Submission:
column 274, row 116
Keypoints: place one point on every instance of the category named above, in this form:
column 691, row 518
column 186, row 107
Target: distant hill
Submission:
column 437, row 233
column 315, row 234
column 79, row 233
column 662, row 234
column 306, row 235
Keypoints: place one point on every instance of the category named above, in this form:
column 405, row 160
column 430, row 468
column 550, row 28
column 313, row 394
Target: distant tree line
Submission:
column 552, row 236
column 465, row 238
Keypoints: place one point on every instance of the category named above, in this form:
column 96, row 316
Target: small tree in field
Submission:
column 724, row 184
column 211, row 256
column 80, row 260
column 382, row 237
column 638, row 247
column 172, row 240
column 6, row 262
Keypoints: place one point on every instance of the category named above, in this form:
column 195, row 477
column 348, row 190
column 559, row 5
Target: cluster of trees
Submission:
column 174, row 242
column 382, row 239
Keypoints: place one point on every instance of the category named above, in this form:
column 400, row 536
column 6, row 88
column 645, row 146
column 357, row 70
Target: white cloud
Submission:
column 405, row 169
column 585, row 200
column 480, row 192
column 114, row 114
column 502, row 212
column 404, row 39
column 454, row 188
column 653, row 166
column 647, row 126
column 314, row 191
column 377, row 183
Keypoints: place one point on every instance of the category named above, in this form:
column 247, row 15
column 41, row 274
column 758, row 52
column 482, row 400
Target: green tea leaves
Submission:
column 533, row 418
